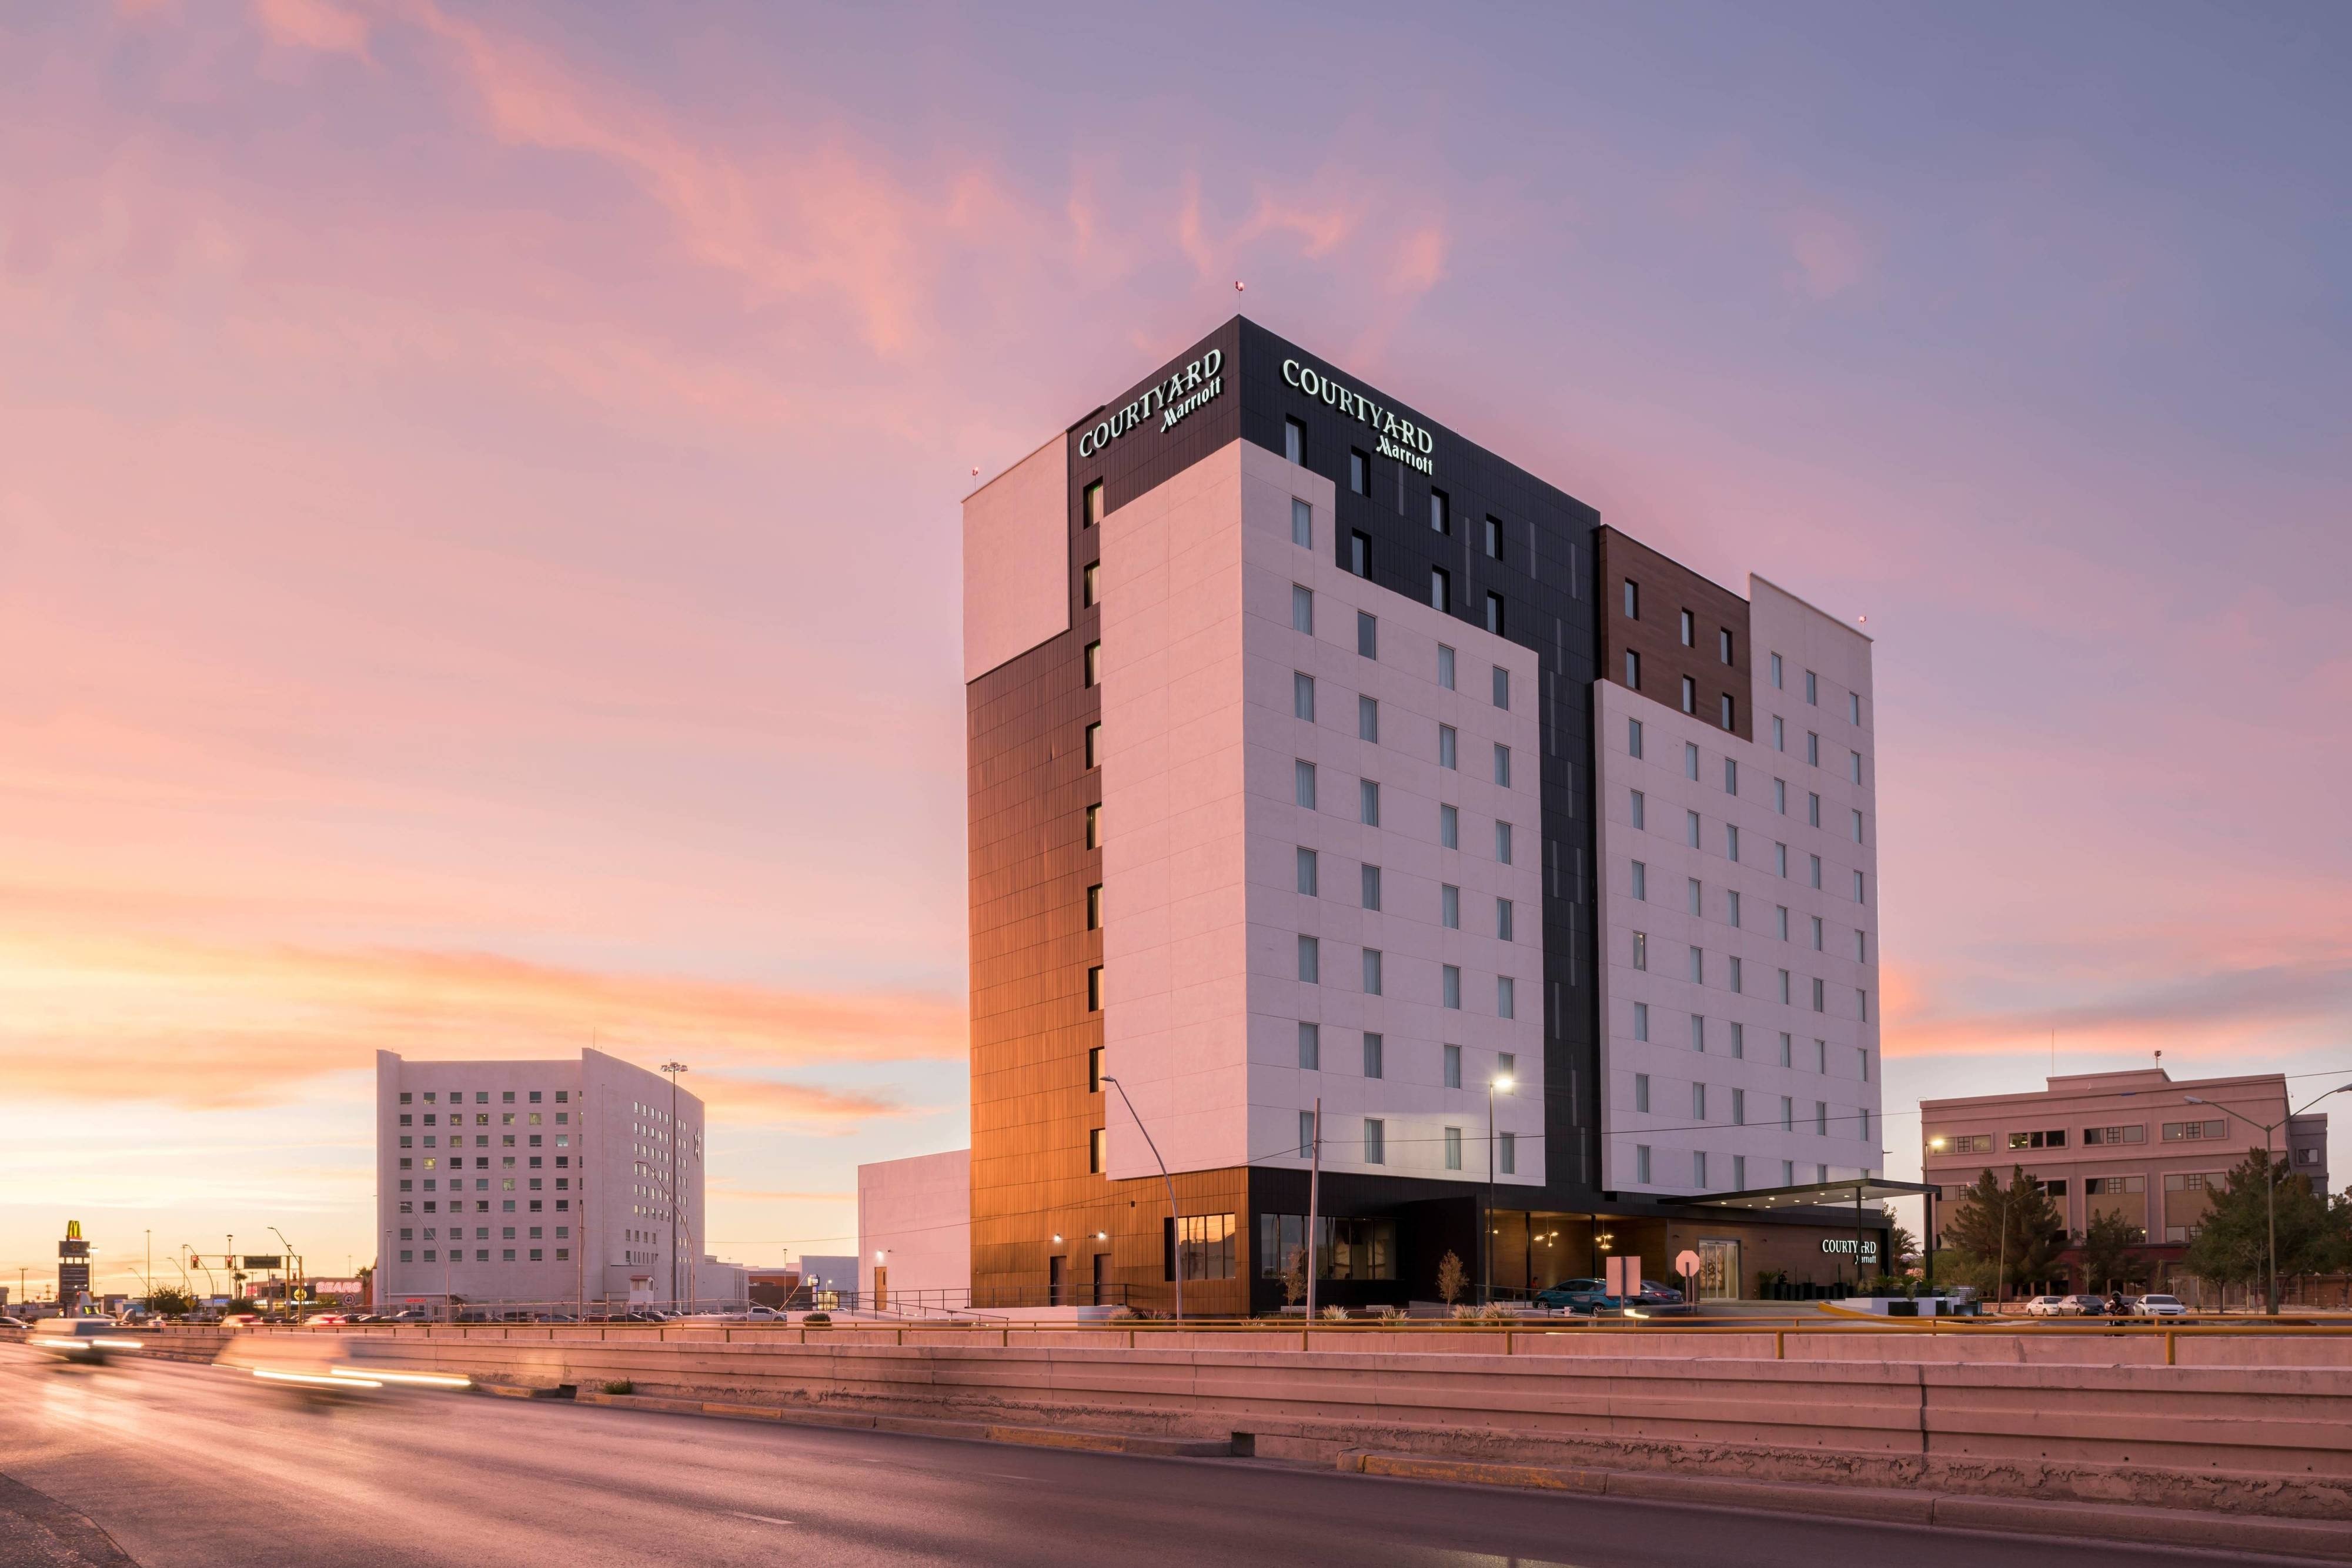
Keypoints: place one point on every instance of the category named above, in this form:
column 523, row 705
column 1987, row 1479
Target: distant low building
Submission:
column 2136, row 1144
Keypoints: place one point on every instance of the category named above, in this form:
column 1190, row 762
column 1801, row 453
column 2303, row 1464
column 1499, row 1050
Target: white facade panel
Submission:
column 914, row 1220
column 1719, row 1087
column 1016, row 566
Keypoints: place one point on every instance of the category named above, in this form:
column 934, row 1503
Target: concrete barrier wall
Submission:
column 2031, row 1418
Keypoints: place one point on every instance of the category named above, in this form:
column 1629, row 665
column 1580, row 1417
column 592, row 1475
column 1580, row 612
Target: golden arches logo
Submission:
column 73, row 1229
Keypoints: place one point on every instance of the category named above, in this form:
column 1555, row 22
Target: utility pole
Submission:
column 1314, row 1200
column 2270, row 1175
column 673, row 1069
column 1175, row 1221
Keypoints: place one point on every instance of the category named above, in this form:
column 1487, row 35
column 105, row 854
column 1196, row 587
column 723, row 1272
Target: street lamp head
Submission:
column 2197, row 1100
column 1505, row 1085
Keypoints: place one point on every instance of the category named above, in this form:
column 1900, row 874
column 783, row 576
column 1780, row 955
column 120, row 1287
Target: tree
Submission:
column 171, row 1300
column 2233, row 1244
column 1451, row 1276
column 1294, row 1276
column 2110, row 1256
column 2016, row 1229
column 1902, row 1248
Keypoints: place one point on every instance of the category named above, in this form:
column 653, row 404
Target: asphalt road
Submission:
column 169, row 1466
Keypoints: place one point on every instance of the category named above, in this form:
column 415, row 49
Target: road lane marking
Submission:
column 762, row 1517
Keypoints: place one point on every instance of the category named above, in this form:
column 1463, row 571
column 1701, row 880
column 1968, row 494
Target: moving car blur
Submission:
column 331, row 1365
column 89, row 1340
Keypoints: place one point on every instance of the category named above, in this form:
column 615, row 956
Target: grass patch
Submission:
column 623, row 1387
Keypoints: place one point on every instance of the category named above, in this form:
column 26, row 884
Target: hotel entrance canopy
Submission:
column 1853, row 1192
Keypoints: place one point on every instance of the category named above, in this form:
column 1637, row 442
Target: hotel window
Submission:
column 1450, row 985
column 1094, row 664
column 1780, row 733
column 1506, row 997
column 1642, row 1163
column 2113, row 1134
column 1093, row 503
column 1503, row 768
column 1640, row 1091
column 1368, row 634
column 1731, row 907
column 1690, row 696
column 1441, row 516
column 1632, row 600
column 1697, row 891
column 1780, row 860
column 1738, row 1035
column 1502, row 686
column 1375, row 1141
column 1308, row 882
column 1302, row 609
column 1816, row 861
column 1368, row 719
column 1094, row 1069
column 1812, row 688
column 1785, row 996
column 1503, row 842
column 1812, row 810
column 1446, row 666
column 1302, row 696
column 1812, row 748
column 1507, row 1151
column 1862, row 1058
column 1094, row 745
column 1093, row 907
column 1689, row 630
column 1730, row 777
column 1853, row 709
column 1817, row 933
column 1690, row 829
column 1093, row 826
column 1633, row 669
column 1699, row 965
column 1371, row 881
column 1449, row 905
column 1360, row 552
column 1367, row 801
column 1820, row 993
column 1095, row 1151
column 1441, row 591
column 1640, row 949
column 1690, row 761
column 1639, row 804
column 1302, row 780
column 1495, row 538
column 1094, row 1002
column 1495, row 621
column 1311, row 961
column 1302, row 524
column 1372, row 1053
column 1820, row 1118
column 1780, row 796
column 1089, row 583
column 1698, row 1033
column 1446, row 747
column 1727, row 714
column 1449, row 827
column 1723, row 644
column 1294, row 441
column 1857, row 827
column 1641, row 1020
column 1860, row 948
column 1503, row 920
column 1776, row 672
column 1857, row 887
column 2188, row 1131
column 1641, row 881
column 1306, row 1134
column 1310, row 1046
column 1360, row 472
column 1821, row 1057
column 1634, row 737
column 1453, row 1148
column 1738, row 976
column 1698, row 1101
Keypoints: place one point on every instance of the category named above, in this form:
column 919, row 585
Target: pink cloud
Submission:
column 313, row 25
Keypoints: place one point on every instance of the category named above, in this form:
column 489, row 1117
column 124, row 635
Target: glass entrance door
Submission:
column 1718, row 1271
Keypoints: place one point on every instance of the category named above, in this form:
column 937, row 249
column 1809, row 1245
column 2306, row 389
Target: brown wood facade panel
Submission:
column 1665, row 589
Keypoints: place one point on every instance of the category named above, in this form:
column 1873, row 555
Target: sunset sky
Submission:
column 480, row 493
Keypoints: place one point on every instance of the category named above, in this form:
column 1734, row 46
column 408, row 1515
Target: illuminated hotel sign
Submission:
column 1846, row 1244
column 1184, row 393
column 1400, row 438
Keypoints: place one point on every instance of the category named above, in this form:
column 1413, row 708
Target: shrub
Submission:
column 1335, row 1314
column 622, row 1386
column 817, row 1320
column 1466, row 1313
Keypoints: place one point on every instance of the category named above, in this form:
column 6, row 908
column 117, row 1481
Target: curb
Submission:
column 918, row 1426
column 2157, row 1527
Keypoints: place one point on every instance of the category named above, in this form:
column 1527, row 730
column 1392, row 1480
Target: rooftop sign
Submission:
column 1184, row 393
column 1398, row 437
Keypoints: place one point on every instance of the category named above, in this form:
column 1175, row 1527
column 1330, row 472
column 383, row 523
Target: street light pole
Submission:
column 1175, row 1224
column 673, row 1069
column 2270, row 1177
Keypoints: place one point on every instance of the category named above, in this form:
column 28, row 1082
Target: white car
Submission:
column 2052, row 1307
column 2160, row 1307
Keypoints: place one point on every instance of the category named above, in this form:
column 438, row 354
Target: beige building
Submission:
column 2136, row 1144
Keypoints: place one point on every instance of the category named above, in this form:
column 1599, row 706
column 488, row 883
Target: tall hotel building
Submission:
column 536, row 1181
column 1318, row 754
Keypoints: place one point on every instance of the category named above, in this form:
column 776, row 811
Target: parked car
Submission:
column 2052, row 1307
column 2160, row 1307
column 2086, row 1306
column 1573, row 1295
column 1654, row 1293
